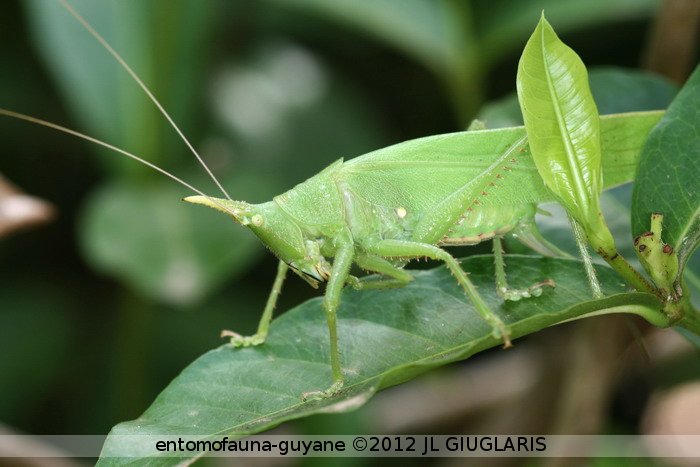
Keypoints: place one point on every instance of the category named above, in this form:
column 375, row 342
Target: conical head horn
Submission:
column 240, row 211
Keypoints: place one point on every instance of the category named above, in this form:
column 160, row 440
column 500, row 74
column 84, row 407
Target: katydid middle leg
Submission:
column 371, row 263
column 410, row 249
column 502, row 287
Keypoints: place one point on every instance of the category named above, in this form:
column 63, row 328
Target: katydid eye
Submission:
column 257, row 220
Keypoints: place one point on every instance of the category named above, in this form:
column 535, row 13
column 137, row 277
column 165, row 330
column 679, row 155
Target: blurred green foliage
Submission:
column 102, row 308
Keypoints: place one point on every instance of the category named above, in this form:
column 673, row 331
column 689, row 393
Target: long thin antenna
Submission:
column 38, row 121
column 135, row 77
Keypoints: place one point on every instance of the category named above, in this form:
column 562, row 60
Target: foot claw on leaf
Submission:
column 505, row 335
column 238, row 340
column 500, row 331
column 334, row 390
column 534, row 290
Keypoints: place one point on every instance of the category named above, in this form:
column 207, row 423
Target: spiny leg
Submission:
column 259, row 337
column 504, row 291
column 372, row 263
column 331, row 301
column 582, row 243
column 408, row 249
column 374, row 283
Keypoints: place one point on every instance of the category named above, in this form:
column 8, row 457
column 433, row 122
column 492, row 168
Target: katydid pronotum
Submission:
column 383, row 209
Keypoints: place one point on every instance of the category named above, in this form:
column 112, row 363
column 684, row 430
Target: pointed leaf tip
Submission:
column 562, row 122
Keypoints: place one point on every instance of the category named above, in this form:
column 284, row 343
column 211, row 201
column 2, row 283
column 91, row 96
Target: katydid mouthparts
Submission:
column 393, row 205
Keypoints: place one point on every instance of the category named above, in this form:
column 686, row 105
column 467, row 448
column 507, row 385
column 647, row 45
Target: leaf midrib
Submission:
column 561, row 123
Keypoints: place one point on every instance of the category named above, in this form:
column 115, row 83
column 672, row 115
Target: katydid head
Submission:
column 277, row 230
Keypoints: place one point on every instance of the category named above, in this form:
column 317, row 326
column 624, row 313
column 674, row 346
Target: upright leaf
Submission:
column 563, row 127
column 562, row 123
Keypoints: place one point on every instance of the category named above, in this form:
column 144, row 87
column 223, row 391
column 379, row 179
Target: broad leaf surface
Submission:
column 562, row 122
column 668, row 180
column 386, row 337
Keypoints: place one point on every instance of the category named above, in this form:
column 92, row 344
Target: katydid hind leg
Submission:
column 259, row 337
column 410, row 249
column 502, row 288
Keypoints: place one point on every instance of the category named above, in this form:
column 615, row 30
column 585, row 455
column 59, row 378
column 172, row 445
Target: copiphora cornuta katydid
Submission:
column 404, row 202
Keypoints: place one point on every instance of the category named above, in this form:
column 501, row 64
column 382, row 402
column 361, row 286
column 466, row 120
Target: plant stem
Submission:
column 603, row 243
column 625, row 269
column 582, row 244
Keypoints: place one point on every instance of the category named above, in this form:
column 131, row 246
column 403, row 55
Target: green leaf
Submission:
column 160, row 246
column 562, row 123
column 426, row 324
column 669, row 173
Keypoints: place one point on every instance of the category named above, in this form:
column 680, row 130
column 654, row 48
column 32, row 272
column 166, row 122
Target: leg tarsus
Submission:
column 238, row 340
column 502, row 288
column 535, row 290
column 334, row 390
column 259, row 337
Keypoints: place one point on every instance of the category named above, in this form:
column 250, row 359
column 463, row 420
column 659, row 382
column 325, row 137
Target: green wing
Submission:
column 418, row 174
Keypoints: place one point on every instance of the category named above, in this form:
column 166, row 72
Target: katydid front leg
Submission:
column 409, row 249
column 331, row 301
column 259, row 337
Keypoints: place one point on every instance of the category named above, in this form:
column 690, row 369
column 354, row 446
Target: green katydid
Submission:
column 404, row 202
